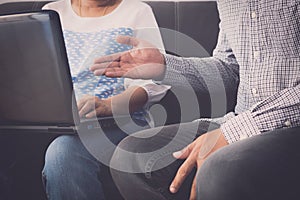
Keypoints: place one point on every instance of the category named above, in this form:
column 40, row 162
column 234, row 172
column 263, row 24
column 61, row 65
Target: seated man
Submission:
column 249, row 154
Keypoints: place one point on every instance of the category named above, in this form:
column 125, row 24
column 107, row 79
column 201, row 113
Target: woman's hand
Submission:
column 144, row 61
column 91, row 106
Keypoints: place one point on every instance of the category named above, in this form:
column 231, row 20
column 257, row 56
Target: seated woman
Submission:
column 90, row 29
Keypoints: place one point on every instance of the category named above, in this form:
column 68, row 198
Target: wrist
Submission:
column 162, row 64
column 106, row 107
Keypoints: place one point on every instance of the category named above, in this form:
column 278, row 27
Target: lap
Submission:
column 145, row 160
column 262, row 167
column 151, row 145
column 86, row 154
column 97, row 144
column 248, row 169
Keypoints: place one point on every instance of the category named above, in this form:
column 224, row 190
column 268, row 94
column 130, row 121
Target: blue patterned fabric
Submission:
column 82, row 49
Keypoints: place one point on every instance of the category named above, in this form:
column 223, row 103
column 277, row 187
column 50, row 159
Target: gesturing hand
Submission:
column 195, row 154
column 91, row 106
column 142, row 62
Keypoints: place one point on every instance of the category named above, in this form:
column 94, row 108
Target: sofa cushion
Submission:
column 200, row 21
column 14, row 7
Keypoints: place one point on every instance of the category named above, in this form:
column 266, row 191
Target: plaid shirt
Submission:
column 258, row 50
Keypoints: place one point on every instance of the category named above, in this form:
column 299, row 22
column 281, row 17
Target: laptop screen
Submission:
column 35, row 81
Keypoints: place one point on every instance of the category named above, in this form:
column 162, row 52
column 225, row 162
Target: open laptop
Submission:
column 36, row 90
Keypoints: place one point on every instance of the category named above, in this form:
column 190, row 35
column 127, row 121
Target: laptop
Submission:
column 36, row 89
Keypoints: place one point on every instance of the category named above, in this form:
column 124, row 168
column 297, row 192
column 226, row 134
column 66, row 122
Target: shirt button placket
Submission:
column 287, row 123
column 253, row 15
column 254, row 92
column 255, row 47
column 256, row 55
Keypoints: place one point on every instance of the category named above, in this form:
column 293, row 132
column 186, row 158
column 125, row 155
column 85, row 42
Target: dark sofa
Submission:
column 197, row 20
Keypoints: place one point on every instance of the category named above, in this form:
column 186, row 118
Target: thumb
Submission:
column 128, row 40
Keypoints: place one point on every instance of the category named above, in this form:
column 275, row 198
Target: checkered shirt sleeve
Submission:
column 278, row 111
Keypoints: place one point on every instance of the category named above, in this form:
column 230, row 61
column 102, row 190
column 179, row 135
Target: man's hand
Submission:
column 91, row 106
column 195, row 154
column 142, row 62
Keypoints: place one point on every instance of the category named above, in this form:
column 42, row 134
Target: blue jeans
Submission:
column 258, row 168
column 71, row 172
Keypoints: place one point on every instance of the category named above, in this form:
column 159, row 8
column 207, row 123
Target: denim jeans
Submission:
column 71, row 172
column 151, row 166
column 258, row 168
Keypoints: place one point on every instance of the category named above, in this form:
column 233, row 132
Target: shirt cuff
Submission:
column 240, row 127
column 155, row 93
column 171, row 73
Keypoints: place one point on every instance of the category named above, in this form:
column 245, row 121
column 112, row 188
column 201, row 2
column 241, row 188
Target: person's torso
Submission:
column 89, row 38
column 265, row 38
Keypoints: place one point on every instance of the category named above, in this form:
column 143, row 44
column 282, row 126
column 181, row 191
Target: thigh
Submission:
column 147, row 147
column 145, row 160
column 262, row 167
column 102, row 142
column 86, row 154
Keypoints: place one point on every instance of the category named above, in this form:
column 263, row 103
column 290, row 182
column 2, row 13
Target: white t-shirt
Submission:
column 89, row 37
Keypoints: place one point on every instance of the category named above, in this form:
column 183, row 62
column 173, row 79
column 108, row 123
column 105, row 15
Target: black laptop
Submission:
column 36, row 90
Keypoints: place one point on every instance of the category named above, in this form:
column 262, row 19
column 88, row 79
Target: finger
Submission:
column 185, row 152
column 100, row 70
column 117, row 73
column 91, row 114
column 82, row 102
column 128, row 40
column 182, row 154
column 127, row 71
column 108, row 58
column 193, row 195
column 182, row 173
column 105, row 65
column 194, row 189
column 97, row 66
column 88, row 106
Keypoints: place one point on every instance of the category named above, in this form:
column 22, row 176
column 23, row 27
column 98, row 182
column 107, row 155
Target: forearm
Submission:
column 131, row 100
column 202, row 74
column 205, row 74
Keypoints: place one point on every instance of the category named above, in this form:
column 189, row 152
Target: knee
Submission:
column 122, row 166
column 123, row 156
column 209, row 178
column 249, row 169
column 224, row 175
column 127, row 149
column 132, row 155
column 61, row 151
